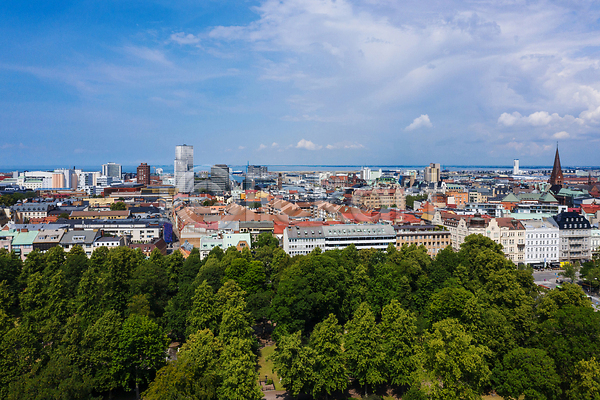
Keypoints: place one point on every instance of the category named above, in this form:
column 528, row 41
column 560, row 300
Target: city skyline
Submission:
column 300, row 83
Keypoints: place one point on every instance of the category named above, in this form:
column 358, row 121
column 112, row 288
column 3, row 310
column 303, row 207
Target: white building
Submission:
column 112, row 169
column 542, row 241
column 595, row 240
column 302, row 240
column 516, row 166
column 184, row 168
column 224, row 241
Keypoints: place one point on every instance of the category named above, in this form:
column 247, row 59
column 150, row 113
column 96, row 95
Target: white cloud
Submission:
column 509, row 119
column 152, row 55
column 262, row 147
column 182, row 38
column 307, row 144
column 561, row 135
column 539, row 118
column 241, row 148
column 345, row 146
column 274, row 145
column 529, row 148
column 420, row 122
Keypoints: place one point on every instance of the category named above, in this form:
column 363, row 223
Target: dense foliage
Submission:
column 453, row 327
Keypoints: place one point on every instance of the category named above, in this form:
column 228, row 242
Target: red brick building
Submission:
column 143, row 174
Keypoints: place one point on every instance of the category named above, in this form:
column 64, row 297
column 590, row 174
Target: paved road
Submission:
column 549, row 278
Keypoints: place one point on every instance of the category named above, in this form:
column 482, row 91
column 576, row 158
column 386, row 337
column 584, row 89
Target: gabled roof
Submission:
column 510, row 198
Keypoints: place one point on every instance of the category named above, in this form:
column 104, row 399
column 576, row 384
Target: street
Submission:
column 549, row 279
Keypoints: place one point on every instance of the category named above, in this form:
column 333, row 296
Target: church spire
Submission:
column 557, row 176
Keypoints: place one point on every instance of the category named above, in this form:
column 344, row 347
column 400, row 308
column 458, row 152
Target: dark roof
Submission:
column 151, row 209
column 571, row 220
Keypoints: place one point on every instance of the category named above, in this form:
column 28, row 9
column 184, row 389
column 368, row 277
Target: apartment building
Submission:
column 542, row 241
column 434, row 238
column 575, row 234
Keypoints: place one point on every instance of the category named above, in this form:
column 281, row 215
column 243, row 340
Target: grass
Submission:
column 265, row 367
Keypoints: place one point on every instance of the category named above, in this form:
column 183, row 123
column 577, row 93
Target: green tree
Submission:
column 329, row 366
column 140, row 352
column 410, row 200
column 450, row 302
column 238, row 372
column 294, row 364
column 213, row 272
column 204, row 313
column 150, row 280
column 6, row 301
column 569, row 335
column 265, row 239
column 19, row 346
column 76, row 262
column 556, row 299
column 250, row 275
column 58, row 379
column 363, row 344
column 399, row 332
column 449, row 365
column 118, row 206
column 193, row 375
column 236, row 322
column 99, row 345
column 88, row 300
column 308, row 291
column 45, row 305
column 586, row 385
column 570, row 271
column 358, row 290
column 139, row 304
column 527, row 374
column 10, row 269
column 120, row 264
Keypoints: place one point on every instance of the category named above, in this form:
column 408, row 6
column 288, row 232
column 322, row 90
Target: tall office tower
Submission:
column 219, row 177
column 516, row 166
column 143, row 174
column 184, row 168
column 432, row 173
column 113, row 170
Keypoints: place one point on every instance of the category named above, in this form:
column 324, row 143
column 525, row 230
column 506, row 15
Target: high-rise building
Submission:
column 143, row 174
column 556, row 178
column 184, row 168
column 113, row 170
column 432, row 173
column 516, row 166
column 219, row 177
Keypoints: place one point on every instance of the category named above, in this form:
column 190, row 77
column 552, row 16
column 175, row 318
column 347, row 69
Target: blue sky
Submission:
column 300, row 82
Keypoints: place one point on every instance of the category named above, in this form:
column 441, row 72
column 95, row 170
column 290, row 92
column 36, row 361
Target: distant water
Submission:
column 308, row 168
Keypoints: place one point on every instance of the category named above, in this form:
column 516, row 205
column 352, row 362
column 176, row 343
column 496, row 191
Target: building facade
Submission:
column 219, row 178
column 143, row 174
column 432, row 173
column 303, row 240
column 184, row 168
column 542, row 242
column 575, row 234
column 432, row 237
column 112, row 169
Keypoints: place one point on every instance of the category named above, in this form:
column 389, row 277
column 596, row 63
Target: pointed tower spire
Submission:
column 557, row 176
